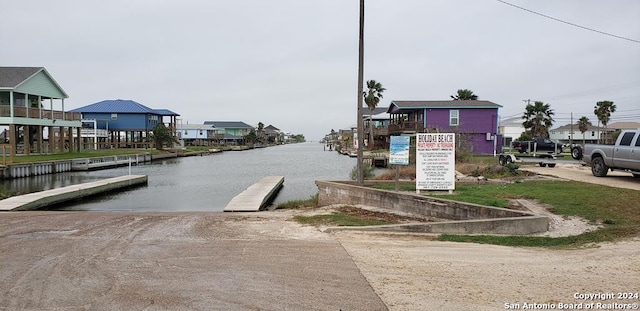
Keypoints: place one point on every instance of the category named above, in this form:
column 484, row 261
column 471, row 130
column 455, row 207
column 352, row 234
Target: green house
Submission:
column 32, row 106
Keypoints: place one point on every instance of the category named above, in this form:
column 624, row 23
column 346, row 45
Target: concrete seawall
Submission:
column 466, row 217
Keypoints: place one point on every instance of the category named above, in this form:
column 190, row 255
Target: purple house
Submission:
column 475, row 121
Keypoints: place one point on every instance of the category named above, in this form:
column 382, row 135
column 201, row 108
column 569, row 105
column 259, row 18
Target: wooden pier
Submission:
column 256, row 196
column 45, row 198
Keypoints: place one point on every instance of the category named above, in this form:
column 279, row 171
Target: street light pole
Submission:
column 360, row 87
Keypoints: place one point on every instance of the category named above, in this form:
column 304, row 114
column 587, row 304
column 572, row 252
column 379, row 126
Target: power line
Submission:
column 569, row 23
column 601, row 90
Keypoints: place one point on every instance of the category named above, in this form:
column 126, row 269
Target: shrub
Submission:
column 367, row 171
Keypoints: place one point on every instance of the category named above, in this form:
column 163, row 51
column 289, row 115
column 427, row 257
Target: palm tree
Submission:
column 465, row 95
column 260, row 132
column 583, row 126
column 161, row 135
column 372, row 97
column 539, row 118
column 603, row 110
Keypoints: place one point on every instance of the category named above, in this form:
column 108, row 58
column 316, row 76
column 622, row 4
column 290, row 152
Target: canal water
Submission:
column 202, row 183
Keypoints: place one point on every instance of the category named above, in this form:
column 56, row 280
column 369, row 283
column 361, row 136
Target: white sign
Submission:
column 399, row 150
column 435, row 161
column 355, row 141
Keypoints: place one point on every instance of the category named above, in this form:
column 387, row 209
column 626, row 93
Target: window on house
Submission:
column 114, row 116
column 454, row 117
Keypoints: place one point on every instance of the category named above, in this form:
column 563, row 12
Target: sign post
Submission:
column 399, row 154
column 435, row 161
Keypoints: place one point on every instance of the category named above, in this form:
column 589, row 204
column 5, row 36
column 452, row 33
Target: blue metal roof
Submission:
column 165, row 112
column 122, row 106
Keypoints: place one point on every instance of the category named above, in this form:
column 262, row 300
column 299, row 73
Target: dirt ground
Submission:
column 413, row 272
column 579, row 172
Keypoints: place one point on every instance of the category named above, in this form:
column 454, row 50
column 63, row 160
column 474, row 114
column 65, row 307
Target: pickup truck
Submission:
column 624, row 155
column 538, row 144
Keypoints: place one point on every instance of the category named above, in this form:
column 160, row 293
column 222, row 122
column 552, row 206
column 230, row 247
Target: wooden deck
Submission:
column 45, row 198
column 256, row 196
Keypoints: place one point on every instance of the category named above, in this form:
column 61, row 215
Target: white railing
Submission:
column 92, row 133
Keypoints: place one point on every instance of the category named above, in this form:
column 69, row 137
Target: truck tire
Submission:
column 576, row 153
column 502, row 160
column 598, row 168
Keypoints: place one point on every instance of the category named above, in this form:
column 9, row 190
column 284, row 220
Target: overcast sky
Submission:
column 293, row 63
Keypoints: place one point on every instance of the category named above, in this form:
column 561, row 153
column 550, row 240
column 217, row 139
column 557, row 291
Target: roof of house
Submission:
column 122, row 106
column 624, row 125
column 575, row 128
column 165, row 112
column 228, row 124
column 13, row 77
column 398, row 105
column 272, row 128
column 513, row 121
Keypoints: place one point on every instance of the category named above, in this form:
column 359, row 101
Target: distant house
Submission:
column 510, row 129
column 233, row 131
column 376, row 121
column 274, row 135
column 199, row 134
column 474, row 121
column 126, row 121
column 571, row 134
column 32, row 106
column 621, row 126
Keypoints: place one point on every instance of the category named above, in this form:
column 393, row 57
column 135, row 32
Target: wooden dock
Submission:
column 256, row 196
column 45, row 198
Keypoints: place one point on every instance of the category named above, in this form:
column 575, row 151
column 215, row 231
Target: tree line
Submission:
column 538, row 118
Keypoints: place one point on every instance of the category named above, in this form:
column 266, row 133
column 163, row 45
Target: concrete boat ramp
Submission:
column 41, row 199
column 256, row 196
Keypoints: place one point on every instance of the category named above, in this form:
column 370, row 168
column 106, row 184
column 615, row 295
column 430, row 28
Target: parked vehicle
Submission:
column 538, row 144
column 624, row 155
column 576, row 152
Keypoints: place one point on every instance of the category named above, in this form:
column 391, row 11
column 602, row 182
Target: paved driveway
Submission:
column 173, row 261
column 583, row 173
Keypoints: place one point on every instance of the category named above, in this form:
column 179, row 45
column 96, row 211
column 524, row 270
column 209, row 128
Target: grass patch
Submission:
column 615, row 208
column 337, row 219
column 354, row 216
column 312, row 201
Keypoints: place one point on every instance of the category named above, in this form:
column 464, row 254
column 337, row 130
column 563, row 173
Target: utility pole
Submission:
column 571, row 133
column 360, row 131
